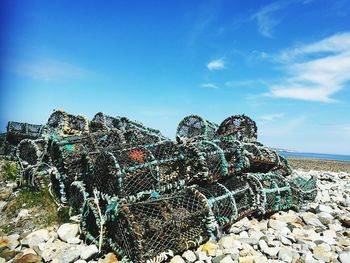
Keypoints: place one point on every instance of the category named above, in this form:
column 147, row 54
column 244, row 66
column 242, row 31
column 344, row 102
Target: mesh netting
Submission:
column 17, row 131
column 238, row 127
column 143, row 230
column 195, row 126
column 78, row 195
column 3, row 142
column 303, row 189
column 31, row 151
column 276, row 192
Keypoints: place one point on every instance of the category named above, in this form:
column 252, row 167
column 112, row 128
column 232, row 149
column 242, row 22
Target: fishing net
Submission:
column 78, row 196
column 93, row 220
column 62, row 123
column 17, row 131
column 238, row 127
column 141, row 231
column 275, row 192
column 32, row 151
column 303, row 189
column 263, row 159
column 195, row 126
column 243, row 195
column 3, row 142
column 144, row 168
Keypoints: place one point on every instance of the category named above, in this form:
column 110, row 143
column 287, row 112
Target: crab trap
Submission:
column 17, row 131
column 303, row 189
column 143, row 230
column 238, row 127
column 194, row 126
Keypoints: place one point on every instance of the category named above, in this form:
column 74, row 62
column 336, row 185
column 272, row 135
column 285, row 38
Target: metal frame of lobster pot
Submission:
column 238, row 127
column 193, row 126
column 141, row 231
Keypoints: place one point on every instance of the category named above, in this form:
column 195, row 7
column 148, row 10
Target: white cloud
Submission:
column 209, row 85
column 48, row 70
column 245, row 83
column 265, row 19
column 216, row 64
column 316, row 71
column 271, row 117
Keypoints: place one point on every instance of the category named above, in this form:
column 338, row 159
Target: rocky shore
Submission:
column 319, row 232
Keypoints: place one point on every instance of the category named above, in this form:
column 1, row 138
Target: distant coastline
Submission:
column 320, row 156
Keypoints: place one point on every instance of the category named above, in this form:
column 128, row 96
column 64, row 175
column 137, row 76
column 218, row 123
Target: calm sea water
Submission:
column 322, row 156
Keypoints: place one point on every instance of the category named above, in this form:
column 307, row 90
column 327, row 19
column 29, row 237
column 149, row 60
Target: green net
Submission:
column 193, row 126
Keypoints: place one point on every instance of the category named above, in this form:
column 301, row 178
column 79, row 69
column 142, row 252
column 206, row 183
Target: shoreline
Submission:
column 308, row 164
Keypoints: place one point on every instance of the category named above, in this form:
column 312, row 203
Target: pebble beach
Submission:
column 318, row 232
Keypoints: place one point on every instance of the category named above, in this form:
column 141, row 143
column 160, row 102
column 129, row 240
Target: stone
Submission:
column 325, row 218
column 271, row 251
column 70, row 254
column 74, row 240
column 324, row 208
column 10, row 241
column 68, row 230
column 8, row 254
column 311, row 219
column 189, row 255
column 227, row 259
column 35, row 238
column 344, row 257
column 23, row 213
column 277, row 225
column 250, row 241
column 80, row 261
column 109, row 258
column 285, row 241
column 255, row 234
column 28, row 251
column 289, row 217
column 285, row 255
column 249, row 259
column 2, row 260
column 177, row 259
column 210, row 248
column 345, row 222
column 308, row 258
column 2, row 205
column 88, row 252
column 29, row 258
column 323, row 252
column 229, row 242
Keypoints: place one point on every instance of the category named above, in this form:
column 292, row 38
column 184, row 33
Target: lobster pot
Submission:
column 238, row 127
column 243, row 195
column 3, row 143
column 221, row 202
column 215, row 159
column 77, row 124
column 92, row 216
column 78, row 196
column 37, row 176
column 108, row 121
column 303, row 189
column 278, row 194
column 95, row 126
column 262, row 159
column 57, row 122
column 193, row 126
column 134, row 137
column 31, row 151
column 135, row 125
column 17, row 131
column 236, row 160
column 146, row 168
column 142, row 231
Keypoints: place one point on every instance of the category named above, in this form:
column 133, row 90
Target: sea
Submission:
column 323, row 156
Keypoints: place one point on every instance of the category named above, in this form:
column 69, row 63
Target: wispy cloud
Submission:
column 216, row 64
column 271, row 117
column 316, row 71
column 209, row 85
column 48, row 70
column 265, row 18
column 245, row 83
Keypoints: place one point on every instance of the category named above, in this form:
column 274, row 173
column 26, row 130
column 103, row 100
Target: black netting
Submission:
column 238, row 127
column 195, row 126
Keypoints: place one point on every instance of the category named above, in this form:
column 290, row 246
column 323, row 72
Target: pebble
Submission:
column 189, row 255
column 67, row 231
column 323, row 252
column 276, row 224
column 311, row 219
column 227, row 259
column 177, row 259
column 344, row 257
column 88, row 252
column 35, row 238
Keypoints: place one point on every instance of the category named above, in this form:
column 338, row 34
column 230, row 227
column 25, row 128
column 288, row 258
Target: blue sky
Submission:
column 286, row 64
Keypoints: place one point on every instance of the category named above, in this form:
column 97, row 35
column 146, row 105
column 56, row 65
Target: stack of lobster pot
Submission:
column 143, row 200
